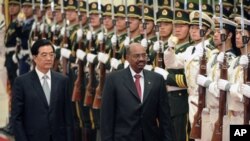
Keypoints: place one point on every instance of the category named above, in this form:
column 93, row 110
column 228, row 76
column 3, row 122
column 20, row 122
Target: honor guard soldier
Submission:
column 235, row 101
column 175, row 77
column 56, row 37
column 226, row 48
column 118, row 39
column 148, row 34
column 22, row 55
column 38, row 27
column 10, row 47
column 189, row 59
column 165, row 22
column 133, row 17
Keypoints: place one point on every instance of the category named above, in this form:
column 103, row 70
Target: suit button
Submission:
column 180, row 94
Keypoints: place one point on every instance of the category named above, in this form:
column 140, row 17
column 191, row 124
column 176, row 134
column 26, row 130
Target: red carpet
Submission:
column 4, row 138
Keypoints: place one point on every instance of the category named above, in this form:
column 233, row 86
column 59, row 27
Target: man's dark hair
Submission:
column 40, row 43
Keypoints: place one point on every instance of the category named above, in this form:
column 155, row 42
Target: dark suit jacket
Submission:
column 125, row 118
column 33, row 119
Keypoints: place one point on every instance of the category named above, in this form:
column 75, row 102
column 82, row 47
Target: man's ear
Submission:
column 208, row 32
column 229, row 36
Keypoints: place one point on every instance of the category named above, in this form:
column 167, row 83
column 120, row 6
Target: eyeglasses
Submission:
column 45, row 55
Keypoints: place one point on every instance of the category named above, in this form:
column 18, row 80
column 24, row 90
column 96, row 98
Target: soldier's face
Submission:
column 71, row 15
column 137, row 58
column 216, row 38
column 49, row 13
column 14, row 9
column 120, row 23
column 45, row 58
column 95, row 20
column 194, row 32
column 27, row 10
column 38, row 12
column 181, row 31
column 150, row 26
column 107, row 21
column 58, row 16
column 165, row 29
column 84, row 18
column 134, row 24
column 239, row 42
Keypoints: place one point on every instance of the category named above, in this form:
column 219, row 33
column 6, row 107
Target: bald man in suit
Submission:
column 42, row 113
column 135, row 113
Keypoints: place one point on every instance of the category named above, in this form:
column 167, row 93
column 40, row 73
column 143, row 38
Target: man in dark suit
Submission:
column 41, row 108
column 135, row 109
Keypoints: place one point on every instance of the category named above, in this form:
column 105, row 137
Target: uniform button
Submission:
column 180, row 94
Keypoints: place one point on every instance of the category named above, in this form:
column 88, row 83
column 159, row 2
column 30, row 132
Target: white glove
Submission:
column 172, row 41
column 126, row 41
column 235, row 92
column 148, row 67
column 114, row 40
column 42, row 27
column 224, row 85
column 65, row 52
column 126, row 64
column 245, row 89
column 100, row 37
column 53, row 28
column 62, row 31
column 89, row 36
column 162, row 72
column 157, row 46
column 243, row 60
column 14, row 58
column 203, row 81
column 33, row 26
column 115, row 63
column 91, row 57
column 220, row 57
column 79, row 34
column 80, row 54
column 144, row 43
column 55, row 47
column 103, row 57
column 199, row 51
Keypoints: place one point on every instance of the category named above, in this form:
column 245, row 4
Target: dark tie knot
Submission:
column 137, row 76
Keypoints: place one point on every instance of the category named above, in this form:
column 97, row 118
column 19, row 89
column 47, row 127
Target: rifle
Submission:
column 43, row 19
column 217, row 133
column 159, row 55
column 76, row 96
column 246, row 70
column 65, row 39
column 246, row 99
column 102, row 69
column 90, row 88
column 115, row 47
column 35, row 33
column 196, row 127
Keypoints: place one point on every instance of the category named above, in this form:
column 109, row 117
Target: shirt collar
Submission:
column 40, row 74
column 134, row 73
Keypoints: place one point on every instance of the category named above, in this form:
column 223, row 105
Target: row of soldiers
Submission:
column 90, row 40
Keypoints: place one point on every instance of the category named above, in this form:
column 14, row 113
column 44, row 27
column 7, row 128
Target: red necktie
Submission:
column 137, row 84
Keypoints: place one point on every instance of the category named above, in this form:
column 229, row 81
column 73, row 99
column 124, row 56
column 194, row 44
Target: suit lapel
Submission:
column 147, row 85
column 54, row 85
column 129, row 83
column 38, row 87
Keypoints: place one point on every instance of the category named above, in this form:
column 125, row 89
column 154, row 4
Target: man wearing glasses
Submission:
column 41, row 107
